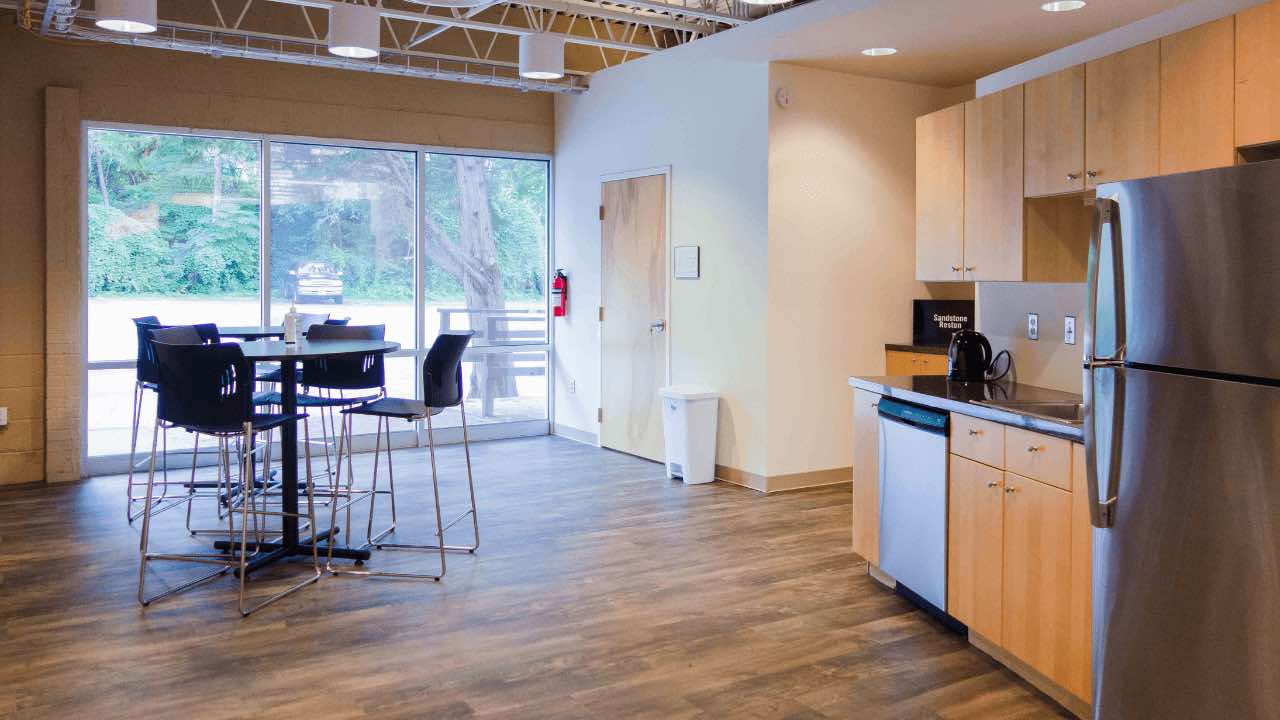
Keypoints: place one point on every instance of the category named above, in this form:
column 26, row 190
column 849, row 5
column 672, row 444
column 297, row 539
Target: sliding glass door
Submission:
column 234, row 230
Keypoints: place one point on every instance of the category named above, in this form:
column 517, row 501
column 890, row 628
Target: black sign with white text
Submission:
column 934, row 321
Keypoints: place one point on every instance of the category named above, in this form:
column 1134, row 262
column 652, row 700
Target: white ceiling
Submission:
column 940, row 42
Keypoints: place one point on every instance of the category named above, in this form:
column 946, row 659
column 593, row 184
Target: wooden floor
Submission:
column 602, row 590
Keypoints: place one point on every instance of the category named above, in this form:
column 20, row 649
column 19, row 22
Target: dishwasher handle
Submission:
column 915, row 416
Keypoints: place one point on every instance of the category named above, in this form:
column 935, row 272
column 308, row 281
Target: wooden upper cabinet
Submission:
column 1037, row 575
column 1197, row 103
column 975, row 540
column 940, row 194
column 1054, row 162
column 866, row 476
column 1258, row 75
column 993, row 153
column 1122, row 115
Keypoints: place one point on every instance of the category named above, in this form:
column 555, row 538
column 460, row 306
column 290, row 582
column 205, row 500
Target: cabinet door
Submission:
column 1122, row 115
column 1054, row 148
column 993, row 186
column 866, row 476
column 1037, row 575
column 1197, row 98
column 940, row 194
column 1080, row 671
column 1258, row 75
column 897, row 362
column 974, row 542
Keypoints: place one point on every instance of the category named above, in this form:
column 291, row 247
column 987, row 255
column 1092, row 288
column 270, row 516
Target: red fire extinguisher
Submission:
column 560, row 293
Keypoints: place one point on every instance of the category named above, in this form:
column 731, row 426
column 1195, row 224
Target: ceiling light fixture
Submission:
column 879, row 52
column 355, row 31
column 128, row 16
column 542, row 56
column 1062, row 5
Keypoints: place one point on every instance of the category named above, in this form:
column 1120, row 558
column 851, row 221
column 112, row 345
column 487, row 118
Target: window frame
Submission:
column 416, row 437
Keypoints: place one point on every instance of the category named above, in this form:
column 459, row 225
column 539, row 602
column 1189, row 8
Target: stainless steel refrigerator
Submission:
column 1182, row 439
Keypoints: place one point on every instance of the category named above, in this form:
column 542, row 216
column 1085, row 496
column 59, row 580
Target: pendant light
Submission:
column 542, row 56
column 355, row 31
column 128, row 16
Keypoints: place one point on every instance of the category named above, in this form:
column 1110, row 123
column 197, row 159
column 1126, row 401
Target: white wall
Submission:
column 1047, row 362
column 841, row 250
column 708, row 120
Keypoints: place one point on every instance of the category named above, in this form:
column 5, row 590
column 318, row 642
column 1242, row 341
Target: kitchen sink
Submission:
column 1068, row 412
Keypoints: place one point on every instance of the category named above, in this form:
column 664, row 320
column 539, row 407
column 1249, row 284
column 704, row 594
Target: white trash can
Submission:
column 689, row 417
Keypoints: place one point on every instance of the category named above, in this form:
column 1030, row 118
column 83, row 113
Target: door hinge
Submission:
column 599, row 415
column 601, row 212
column 601, row 313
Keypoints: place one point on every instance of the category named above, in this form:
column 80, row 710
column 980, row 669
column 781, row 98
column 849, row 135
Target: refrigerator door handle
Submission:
column 1102, row 512
column 1106, row 211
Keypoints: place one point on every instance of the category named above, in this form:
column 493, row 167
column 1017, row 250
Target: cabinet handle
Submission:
column 974, row 432
column 875, row 404
column 1034, row 448
column 971, row 268
column 1091, row 173
column 1010, row 490
column 1072, row 177
column 955, row 268
column 992, row 483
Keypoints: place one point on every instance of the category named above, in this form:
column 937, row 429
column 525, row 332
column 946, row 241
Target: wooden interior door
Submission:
column 1037, row 575
column 866, row 475
column 633, row 337
column 975, row 541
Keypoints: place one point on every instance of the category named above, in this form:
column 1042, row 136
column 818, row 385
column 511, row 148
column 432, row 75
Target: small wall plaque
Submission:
column 688, row 265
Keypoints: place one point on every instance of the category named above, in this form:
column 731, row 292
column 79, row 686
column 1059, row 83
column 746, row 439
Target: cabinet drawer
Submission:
column 898, row 362
column 1039, row 457
column 979, row 440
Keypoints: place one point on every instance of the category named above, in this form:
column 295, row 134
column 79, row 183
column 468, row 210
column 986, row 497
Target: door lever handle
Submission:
column 657, row 327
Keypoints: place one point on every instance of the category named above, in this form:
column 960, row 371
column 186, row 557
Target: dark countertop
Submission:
column 936, row 391
column 926, row 349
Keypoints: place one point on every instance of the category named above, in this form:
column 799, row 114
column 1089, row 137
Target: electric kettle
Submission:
column 969, row 356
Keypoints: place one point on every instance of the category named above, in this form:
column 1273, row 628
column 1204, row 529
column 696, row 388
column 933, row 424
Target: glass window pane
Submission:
column 173, row 225
column 342, row 234
column 110, row 416
column 528, row 401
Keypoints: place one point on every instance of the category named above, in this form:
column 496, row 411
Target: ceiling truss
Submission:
column 468, row 41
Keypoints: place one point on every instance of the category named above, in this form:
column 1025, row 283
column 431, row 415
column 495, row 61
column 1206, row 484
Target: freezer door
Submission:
column 1201, row 269
column 1187, row 578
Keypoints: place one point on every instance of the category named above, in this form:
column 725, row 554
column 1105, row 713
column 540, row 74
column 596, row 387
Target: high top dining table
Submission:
column 289, row 355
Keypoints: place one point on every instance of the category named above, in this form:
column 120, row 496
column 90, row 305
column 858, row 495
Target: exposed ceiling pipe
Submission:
column 423, row 17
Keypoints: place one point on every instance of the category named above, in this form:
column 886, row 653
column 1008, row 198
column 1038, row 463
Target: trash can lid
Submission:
column 688, row 392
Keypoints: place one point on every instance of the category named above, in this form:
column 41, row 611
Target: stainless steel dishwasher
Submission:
column 913, row 498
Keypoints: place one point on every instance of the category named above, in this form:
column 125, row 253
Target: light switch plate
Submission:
column 1033, row 326
column 1069, row 330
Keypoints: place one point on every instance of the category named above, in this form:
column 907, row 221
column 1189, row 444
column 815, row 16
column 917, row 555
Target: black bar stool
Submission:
column 442, row 388
column 208, row 390
column 147, row 379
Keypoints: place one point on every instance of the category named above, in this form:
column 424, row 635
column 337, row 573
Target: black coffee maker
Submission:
column 969, row 357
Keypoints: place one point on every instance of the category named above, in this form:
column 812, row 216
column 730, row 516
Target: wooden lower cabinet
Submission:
column 1019, row 567
column 866, row 475
column 1037, row 575
column 975, row 539
column 898, row 362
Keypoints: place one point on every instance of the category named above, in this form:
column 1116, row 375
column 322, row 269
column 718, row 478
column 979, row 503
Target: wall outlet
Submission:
column 1069, row 330
column 573, row 386
column 1033, row 326
column 4, row 416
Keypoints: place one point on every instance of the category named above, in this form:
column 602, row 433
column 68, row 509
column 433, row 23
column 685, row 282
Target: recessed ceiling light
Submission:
column 1062, row 5
column 878, row 52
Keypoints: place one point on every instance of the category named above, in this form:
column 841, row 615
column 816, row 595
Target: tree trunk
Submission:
column 102, row 177
column 217, row 181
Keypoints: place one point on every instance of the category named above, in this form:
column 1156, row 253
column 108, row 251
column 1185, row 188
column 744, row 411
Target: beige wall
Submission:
column 157, row 87
column 1047, row 362
column 841, row 250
